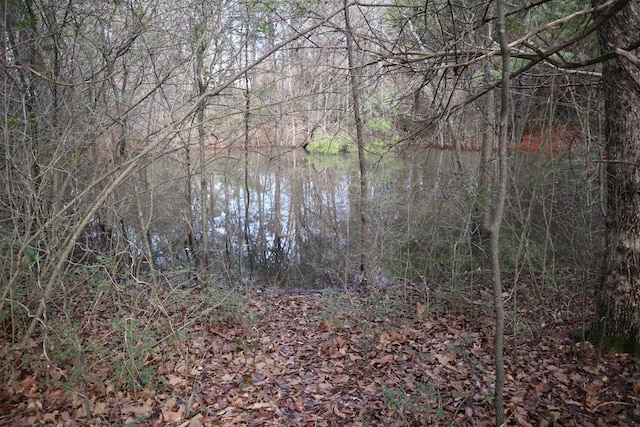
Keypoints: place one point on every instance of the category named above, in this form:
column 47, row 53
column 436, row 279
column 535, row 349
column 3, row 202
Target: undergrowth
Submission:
column 110, row 334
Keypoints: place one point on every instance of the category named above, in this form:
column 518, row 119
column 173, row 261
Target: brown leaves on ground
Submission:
column 329, row 360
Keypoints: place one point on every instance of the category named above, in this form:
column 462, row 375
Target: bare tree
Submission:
column 354, row 75
column 498, row 213
column 82, row 84
column 618, row 325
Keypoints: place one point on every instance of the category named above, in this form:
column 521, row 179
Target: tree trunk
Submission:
column 482, row 223
column 247, row 128
column 618, row 325
column 498, row 213
column 204, row 186
column 354, row 75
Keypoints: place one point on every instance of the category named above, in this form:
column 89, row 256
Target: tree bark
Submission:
column 618, row 326
column 202, row 84
column 247, row 128
column 482, row 225
column 498, row 213
column 354, row 75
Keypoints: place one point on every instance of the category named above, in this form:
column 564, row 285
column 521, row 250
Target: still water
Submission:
column 288, row 218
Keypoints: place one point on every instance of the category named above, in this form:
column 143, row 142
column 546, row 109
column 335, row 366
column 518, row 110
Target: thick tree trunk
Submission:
column 619, row 316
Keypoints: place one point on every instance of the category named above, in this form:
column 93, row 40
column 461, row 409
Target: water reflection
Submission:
column 292, row 219
column 295, row 211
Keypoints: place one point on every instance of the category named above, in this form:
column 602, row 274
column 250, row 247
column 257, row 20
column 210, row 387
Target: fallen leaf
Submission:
column 445, row 359
column 420, row 309
column 260, row 405
column 173, row 416
column 143, row 410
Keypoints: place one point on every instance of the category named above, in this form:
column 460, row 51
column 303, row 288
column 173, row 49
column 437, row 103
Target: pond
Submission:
column 288, row 218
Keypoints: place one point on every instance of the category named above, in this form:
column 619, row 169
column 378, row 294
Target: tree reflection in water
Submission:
column 303, row 220
column 302, row 214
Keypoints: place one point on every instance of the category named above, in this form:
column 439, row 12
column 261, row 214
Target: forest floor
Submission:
column 405, row 356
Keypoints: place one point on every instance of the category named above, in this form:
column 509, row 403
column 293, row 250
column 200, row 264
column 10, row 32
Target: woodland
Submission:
column 322, row 213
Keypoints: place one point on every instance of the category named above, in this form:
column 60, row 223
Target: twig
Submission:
column 613, row 402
